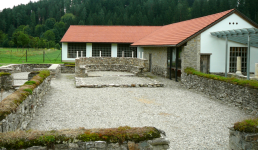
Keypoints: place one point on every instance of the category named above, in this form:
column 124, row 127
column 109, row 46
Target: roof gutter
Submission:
column 153, row 46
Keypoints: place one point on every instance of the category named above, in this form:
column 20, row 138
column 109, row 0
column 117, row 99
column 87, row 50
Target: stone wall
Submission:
column 67, row 68
column 242, row 97
column 16, row 68
column 242, row 141
column 55, row 70
column 6, row 82
column 155, row 144
column 190, row 55
column 26, row 110
column 159, row 60
column 86, row 64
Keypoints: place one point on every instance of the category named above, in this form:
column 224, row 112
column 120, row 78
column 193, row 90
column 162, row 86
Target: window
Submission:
column 234, row 53
column 127, row 50
column 104, row 48
column 74, row 47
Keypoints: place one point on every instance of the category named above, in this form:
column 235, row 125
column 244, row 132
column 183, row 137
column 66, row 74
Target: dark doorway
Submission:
column 150, row 62
column 205, row 64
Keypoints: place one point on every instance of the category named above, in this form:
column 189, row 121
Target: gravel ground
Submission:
column 108, row 73
column 190, row 120
column 106, row 80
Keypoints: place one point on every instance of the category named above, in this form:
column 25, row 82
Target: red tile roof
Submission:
column 172, row 34
column 175, row 33
column 107, row 34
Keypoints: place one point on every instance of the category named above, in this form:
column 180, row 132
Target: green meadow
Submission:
column 34, row 56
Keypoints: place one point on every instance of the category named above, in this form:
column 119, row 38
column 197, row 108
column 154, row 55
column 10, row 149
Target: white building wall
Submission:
column 114, row 50
column 140, row 49
column 65, row 53
column 216, row 46
column 89, row 50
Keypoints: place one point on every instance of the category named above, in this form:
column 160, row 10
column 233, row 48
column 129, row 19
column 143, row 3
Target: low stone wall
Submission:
column 242, row 141
column 242, row 97
column 6, row 82
column 155, row 144
column 55, row 70
column 84, row 65
column 16, row 68
column 26, row 110
column 67, row 69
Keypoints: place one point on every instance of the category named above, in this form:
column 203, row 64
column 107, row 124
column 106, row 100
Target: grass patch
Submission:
column 34, row 56
column 25, row 139
column 4, row 74
column 233, row 80
column 248, row 126
column 29, row 83
column 28, row 90
column 11, row 102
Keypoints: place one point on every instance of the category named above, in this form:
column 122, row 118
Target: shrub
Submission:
column 248, row 126
column 242, row 82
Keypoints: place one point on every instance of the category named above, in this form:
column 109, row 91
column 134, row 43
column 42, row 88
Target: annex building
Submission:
column 171, row 47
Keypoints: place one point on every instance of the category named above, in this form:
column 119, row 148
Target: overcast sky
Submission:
column 10, row 3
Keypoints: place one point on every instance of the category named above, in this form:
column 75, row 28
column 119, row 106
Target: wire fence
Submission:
column 30, row 56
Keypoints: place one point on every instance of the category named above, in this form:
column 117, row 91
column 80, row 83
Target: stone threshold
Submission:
column 149, row 85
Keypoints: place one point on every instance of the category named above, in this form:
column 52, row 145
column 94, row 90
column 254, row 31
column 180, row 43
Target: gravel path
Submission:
column 190, row 120
column 115, row 80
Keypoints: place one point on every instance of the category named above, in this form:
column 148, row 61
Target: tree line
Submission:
column 43, row 23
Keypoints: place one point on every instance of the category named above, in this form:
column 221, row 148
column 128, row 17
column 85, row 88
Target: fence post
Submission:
column 26, row 55
column 43, row 56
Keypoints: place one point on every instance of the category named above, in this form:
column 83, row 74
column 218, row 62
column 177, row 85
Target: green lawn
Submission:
column 34, row 56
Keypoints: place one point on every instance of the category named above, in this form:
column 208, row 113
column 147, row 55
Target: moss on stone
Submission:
column 4, row 74
column 30, row 83
column 248, row 126
column 232, row 80
column 25, row 139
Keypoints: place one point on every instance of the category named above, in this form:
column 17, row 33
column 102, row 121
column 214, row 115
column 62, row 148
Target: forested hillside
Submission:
column 43, row 23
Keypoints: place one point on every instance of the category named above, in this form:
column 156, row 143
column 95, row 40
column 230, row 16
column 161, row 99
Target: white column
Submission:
column 142, row 55
column 239, row 66
column 256, row 70
column 248, row 59
column 132, row 54
column 123, row 54
column 89, row 50
column 226, row 58
column 99, row 53
column 77, row 54
column 139, row 56
column 81, row 53
column 114, row 50
column 64, row 51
